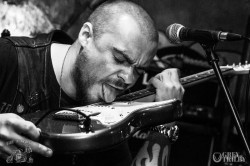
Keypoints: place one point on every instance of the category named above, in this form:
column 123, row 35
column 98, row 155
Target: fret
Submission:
column 185, row 81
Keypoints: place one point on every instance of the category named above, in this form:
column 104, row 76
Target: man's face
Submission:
column 110, row 64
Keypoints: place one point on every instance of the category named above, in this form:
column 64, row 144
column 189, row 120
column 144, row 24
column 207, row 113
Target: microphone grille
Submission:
column 172, row 33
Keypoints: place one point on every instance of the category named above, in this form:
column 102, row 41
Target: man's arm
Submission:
column 167, row 86
column 156, row 149
column 154, row 152
column 15, row 132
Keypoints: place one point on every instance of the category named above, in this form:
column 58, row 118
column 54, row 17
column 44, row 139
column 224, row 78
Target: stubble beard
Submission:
column 83, row 81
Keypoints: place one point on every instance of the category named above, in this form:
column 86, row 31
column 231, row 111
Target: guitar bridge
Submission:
column 75, row 115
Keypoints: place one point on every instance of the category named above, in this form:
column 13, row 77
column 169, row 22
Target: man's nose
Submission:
column 128, row 75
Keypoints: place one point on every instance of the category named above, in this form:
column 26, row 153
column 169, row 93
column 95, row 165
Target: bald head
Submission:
column 104, row 17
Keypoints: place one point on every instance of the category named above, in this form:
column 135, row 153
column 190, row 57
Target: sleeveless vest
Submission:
column 33, row 88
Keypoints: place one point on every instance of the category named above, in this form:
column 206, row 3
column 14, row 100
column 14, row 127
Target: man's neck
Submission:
column 61, row 58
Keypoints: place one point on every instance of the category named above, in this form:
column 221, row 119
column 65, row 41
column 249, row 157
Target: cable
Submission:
column 247, row 105
column 68, row 109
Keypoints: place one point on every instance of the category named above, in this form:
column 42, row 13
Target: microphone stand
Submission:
column 213, row 61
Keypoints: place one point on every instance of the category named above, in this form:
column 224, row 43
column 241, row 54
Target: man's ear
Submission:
column 86, row 33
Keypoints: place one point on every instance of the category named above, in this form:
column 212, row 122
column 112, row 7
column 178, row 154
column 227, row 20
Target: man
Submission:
column 112, row 48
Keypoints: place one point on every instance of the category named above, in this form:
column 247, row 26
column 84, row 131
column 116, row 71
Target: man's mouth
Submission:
column 110, row 92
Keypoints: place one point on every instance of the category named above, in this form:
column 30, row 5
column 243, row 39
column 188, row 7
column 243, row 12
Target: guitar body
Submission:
column 65, row 132
column 115, row 123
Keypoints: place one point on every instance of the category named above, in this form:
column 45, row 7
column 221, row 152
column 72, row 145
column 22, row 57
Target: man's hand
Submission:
column 156, row 149
column 167, row 85
column 15, row 133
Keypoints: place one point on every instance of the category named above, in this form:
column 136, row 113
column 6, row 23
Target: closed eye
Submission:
column 121, row 56
column 119, row 59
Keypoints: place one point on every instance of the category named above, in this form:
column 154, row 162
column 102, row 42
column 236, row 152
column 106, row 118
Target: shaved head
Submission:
column 104, row 16
column 114, row 45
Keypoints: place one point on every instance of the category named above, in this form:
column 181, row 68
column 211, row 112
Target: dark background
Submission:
column 207, row 125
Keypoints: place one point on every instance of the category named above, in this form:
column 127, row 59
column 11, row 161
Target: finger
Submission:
column 156, row 83
column 6, row 149
column 171, row 78
column 175, row 76
column 161, row 90
column 167, row 90
column 23, row 142
column 182, row 91
column 14, row 127
column 9, row 149
column 3, row 153
column 163, row 86
column 35, row 146
column 25, row 128
column 170, row 75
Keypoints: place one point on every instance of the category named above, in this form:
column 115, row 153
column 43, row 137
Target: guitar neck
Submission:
column 185, row 81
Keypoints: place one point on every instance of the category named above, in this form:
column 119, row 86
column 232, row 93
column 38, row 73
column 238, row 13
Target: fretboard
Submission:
column 185, row 81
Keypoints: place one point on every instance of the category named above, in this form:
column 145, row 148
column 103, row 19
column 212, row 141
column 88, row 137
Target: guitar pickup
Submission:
column 68, row 115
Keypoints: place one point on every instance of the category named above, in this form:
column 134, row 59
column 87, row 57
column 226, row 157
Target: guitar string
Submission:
column 60, row 80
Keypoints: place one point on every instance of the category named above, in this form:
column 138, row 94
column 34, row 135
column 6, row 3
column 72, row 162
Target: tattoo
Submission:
column 153, row 153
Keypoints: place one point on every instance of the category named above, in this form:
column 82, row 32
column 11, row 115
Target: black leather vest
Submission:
column 33, row 88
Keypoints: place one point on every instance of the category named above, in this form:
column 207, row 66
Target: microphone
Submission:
column 176, row 33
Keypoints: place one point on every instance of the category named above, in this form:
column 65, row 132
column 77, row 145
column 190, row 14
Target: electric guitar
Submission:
column 100, row 126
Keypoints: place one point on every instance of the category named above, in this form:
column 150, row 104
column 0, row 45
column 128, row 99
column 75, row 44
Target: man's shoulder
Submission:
column 5, row 42
column 7, row 52
column 41, row 39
